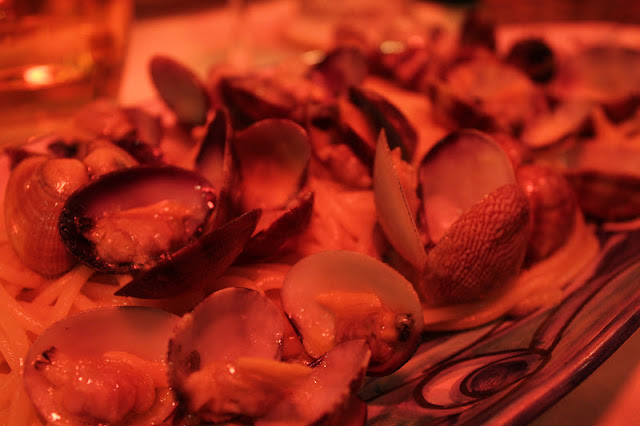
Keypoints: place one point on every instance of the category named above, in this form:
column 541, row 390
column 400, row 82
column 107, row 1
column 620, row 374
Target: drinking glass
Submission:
column 55, row 56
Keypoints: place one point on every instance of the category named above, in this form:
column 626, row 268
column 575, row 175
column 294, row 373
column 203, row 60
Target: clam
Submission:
column 181, row 90
column 102, row 156
column 337, row 296
column 36, row 191
column 222, row 356
column 253, row 98
column 475, row 215
column 273, row 156
column 486, row 94
column 195, row 267
column 327, row 395
column 225, row 369
column 553, row 209
column 102, row 366
column 341, row 68
column 385, row 115
column 605, row 177
column 481, row 253
column 606, row 74
column 129, row 219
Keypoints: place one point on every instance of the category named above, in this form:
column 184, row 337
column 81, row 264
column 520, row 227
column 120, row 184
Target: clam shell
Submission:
column 325, row 396
column 273, row 157
column 181, row 90
column 482, row 251
column 196, row 266
column 385, row 115
column 393, row 212
column 230, row 323
column 486, row 94
column 458, row 172
column 606, row 179
column 287, row 225
column 352, row 273
column 553, row 209
column 128, row 189
column 340, row 69
column 254, row 98
column 140, row 331
column 34, row 198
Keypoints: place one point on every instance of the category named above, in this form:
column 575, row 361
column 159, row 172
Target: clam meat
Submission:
column 103, row 366
column 129, row 219
column 337, row 296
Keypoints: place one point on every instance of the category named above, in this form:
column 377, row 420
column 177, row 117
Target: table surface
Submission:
column 202, row 38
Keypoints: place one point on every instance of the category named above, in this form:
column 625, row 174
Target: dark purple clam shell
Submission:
column 128, row 189
column 273, row 157
column 290, row 223
column 253, row 98
column 229, row 324
column 214, row 157
column 196, row 266
column 340, row 69
column 181, row 90
column 385, row 115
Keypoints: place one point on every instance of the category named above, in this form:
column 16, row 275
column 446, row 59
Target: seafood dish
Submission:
column 290, row 244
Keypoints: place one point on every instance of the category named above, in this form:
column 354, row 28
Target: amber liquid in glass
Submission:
column 55, row 59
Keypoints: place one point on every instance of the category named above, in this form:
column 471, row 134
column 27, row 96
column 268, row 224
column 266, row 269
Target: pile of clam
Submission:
column 406, row 188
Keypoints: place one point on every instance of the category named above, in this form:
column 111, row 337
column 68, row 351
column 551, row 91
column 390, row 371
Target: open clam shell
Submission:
column 195, row 267
column 385, row 115
column 335, row 296
column 273, row 157
column 481, row 253
column 181, row 90
column 327, row 394
column 109, row 213
column 229, row 324
column 253, row 98
column 97, row 366
column 477, row 216
column 288, row 224
column 486, row 94
column 458, row 172
column 394, row 215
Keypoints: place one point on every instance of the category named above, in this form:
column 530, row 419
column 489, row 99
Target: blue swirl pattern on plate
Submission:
column 510, row 371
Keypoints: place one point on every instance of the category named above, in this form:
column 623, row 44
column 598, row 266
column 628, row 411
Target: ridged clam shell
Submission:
column 35, row 194
column 481, row 252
